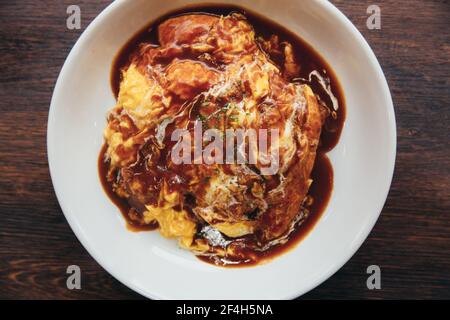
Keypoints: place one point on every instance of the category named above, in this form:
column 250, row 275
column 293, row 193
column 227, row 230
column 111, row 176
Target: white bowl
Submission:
column 156, row 267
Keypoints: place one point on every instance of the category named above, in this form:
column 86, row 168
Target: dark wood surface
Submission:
column 410, row 242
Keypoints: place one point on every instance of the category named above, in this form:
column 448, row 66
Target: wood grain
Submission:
column 410, row 242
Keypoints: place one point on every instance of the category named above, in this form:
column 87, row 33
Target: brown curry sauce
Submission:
column 309, row 60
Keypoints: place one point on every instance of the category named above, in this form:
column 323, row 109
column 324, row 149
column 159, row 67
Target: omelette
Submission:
column 214, row 70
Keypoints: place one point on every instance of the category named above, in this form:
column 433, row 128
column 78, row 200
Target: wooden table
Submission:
column 410, row 242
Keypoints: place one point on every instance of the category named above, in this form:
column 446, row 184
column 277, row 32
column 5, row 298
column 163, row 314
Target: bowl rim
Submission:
column 391, row 150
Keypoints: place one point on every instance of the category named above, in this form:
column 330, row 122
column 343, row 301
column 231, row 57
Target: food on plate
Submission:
column 214, row 72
